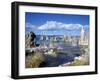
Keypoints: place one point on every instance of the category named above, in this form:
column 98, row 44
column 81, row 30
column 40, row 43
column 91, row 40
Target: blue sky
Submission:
column 59, row 24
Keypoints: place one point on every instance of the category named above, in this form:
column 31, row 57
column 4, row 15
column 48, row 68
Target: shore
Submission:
column 56, row 58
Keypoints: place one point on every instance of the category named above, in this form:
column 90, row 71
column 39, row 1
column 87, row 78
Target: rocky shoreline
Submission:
column 54, row 55
column 83, row 59
column 41, row 58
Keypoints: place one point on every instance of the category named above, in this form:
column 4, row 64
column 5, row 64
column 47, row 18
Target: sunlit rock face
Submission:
column 84, row 37
column 30, row 40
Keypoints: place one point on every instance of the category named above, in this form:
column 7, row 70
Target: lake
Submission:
column 65, row 55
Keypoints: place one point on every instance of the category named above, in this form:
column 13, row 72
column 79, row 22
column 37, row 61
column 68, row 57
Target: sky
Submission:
column 56, row 24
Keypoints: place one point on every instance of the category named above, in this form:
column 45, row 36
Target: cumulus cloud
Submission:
column 56, row 28
column 29, row 27
column 52, row 25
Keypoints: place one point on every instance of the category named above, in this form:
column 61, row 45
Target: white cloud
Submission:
column 50, row 25
column 29, row 25
column 55, row 26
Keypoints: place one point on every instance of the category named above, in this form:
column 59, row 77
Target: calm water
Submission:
column 68, row 54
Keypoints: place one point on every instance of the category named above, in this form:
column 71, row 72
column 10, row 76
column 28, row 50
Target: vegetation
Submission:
column 79, row 62
column 34, row 60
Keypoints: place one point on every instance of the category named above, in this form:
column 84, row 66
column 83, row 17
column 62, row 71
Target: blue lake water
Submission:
column 62, row 58
column 68, row 54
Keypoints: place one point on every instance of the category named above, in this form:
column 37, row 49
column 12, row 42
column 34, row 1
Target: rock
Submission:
column 51, row 52
column 30, row 40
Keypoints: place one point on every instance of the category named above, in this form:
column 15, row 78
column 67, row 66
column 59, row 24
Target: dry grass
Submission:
column 79, row 62
column 34, row 60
